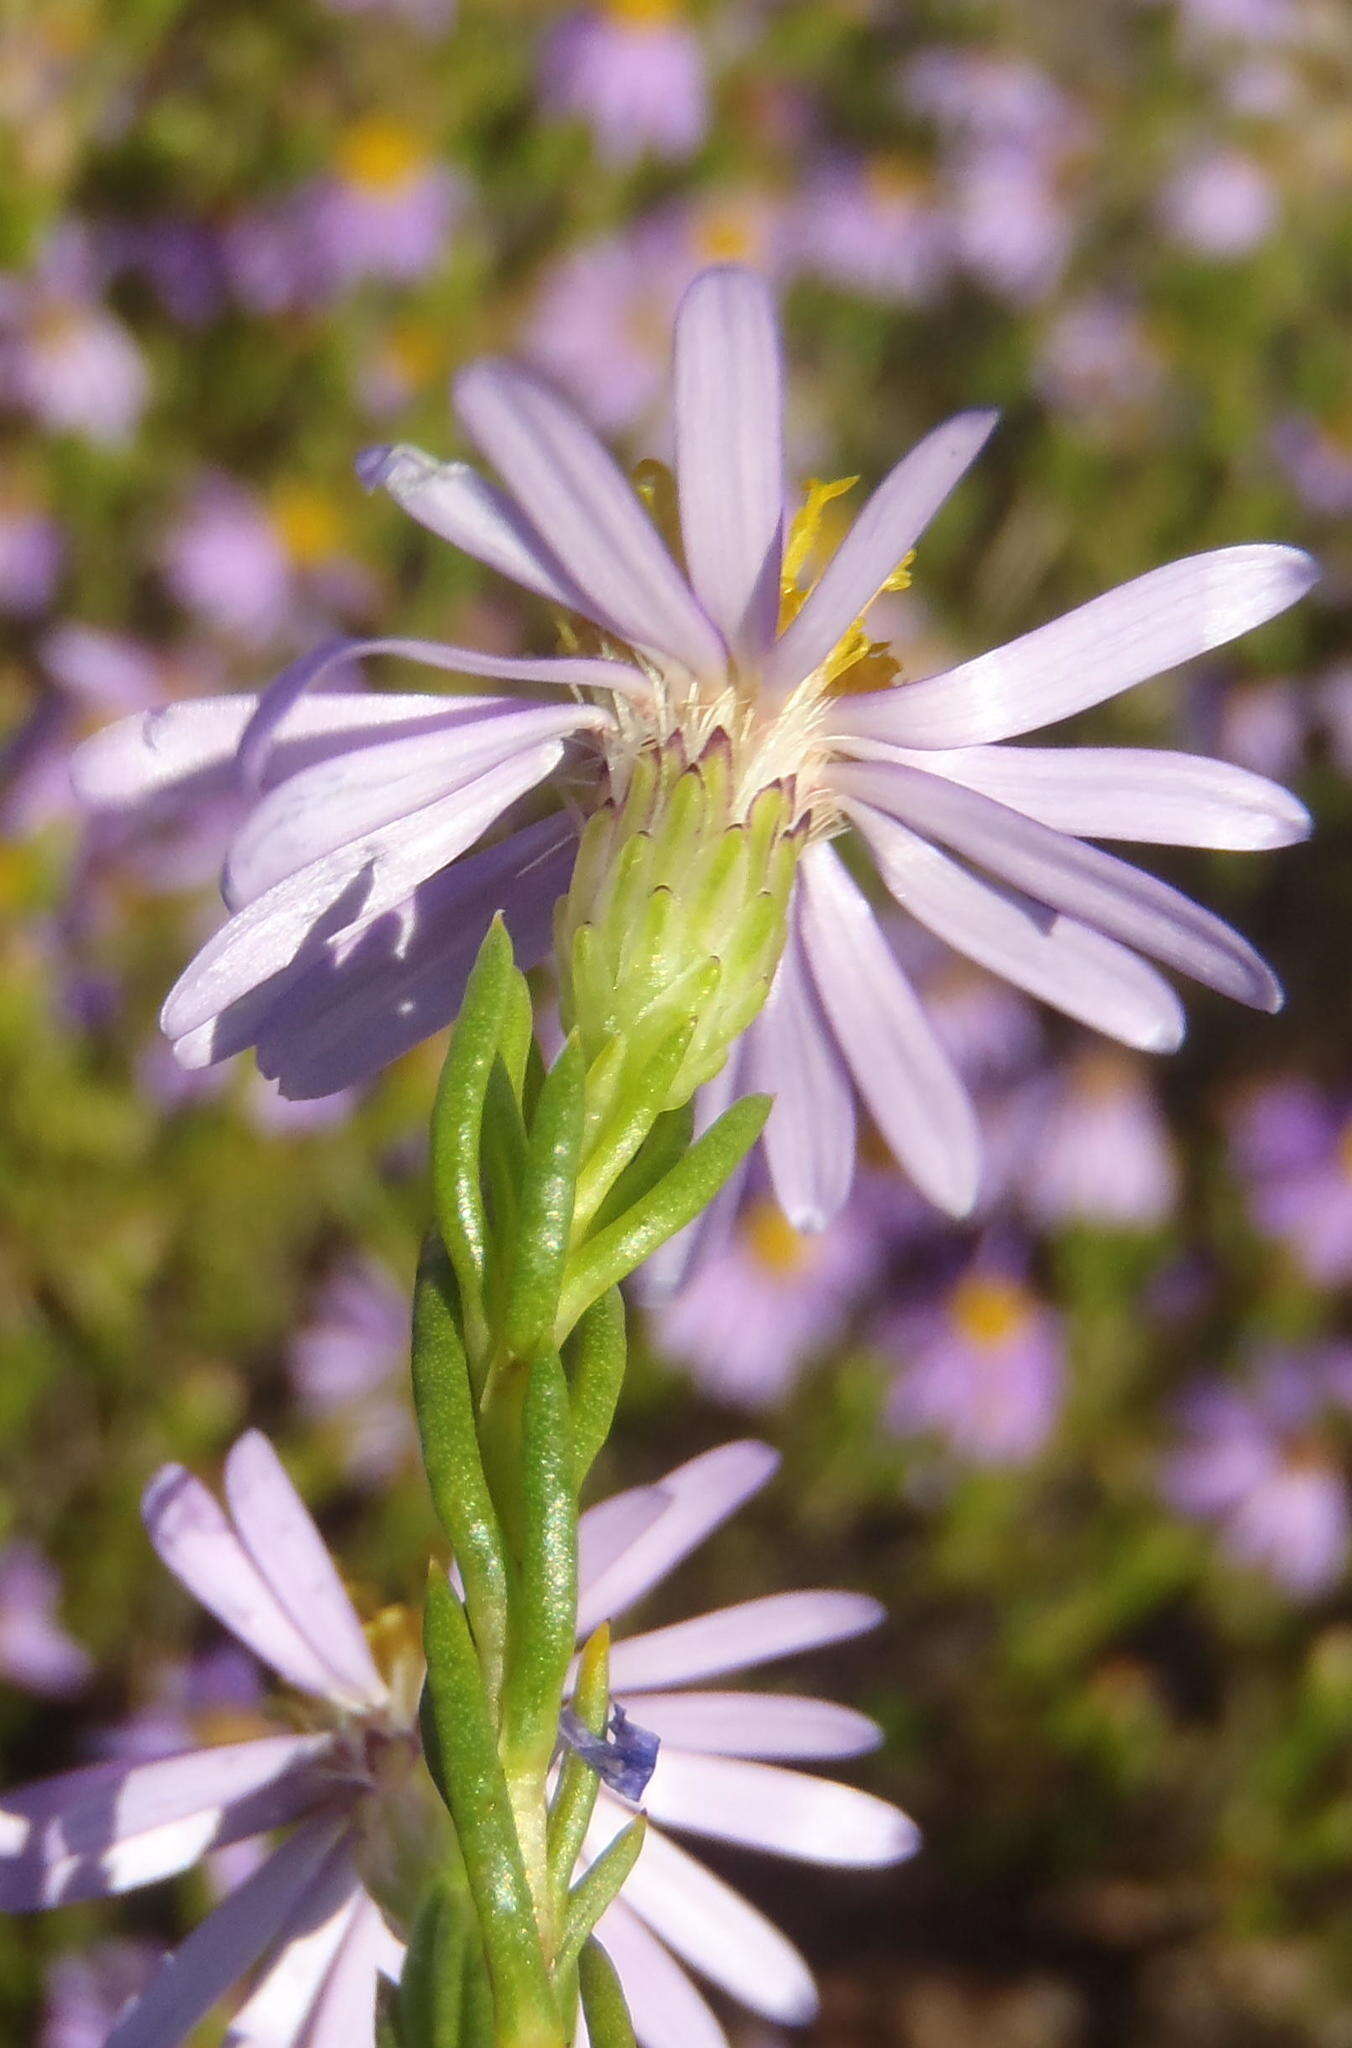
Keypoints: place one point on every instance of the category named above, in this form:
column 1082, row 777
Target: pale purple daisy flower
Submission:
column 347, row 1364
column 1258, row 1464
column 36, row 1653
column 261, row 1567
column 634, row 74
column 1098, row 364
column 873, row 228
column 84, row 1994
column 64, row 358
column 983, row 1369
column 768, row 1299
column 1317, row 459
column 356, row 918
column 1291, row 1145
column 387, row 209
column 1221, row 205
column 1095, row 1148
column 719, row 1771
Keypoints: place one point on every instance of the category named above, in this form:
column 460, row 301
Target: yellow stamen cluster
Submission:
column 379, row 155
column 773, row 1241
column 990, row 1312
column 308, row 524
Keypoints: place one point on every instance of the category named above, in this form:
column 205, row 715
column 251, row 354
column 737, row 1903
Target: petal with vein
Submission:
column 1135, row 793
column 882, row 536
column 1083, row 881
column 1141, row 629
column 335, row 802
column 578, row 500
column 736, row 1638
column 729, row 456
column 713, row 1928
column 193, row 1536
column 229, row 1941
column 292, row 1556
column 762, row 1724
column 664, row 2005
column 1056, row 958
column 345, row 892
column 792, row 1055
column 606, row 1531
column 898, row 1065
column 700, row 1496
column 784, row 1813
column 452, row 499
column 113, row 1826
column 308, row 1944
column 345, row 2011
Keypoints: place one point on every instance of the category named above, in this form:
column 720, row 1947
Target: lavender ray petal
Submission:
column 362, row 1002
column 345, row 2015
column 216, row 1954
column 580, row 503
column 278, row 2010
column 1053, row 957
column 664, row 2005
column 789, row 1726
column 884, row 533
column 606, row 1531
column 1083, row 881
column 1141, row 629
column 784, row 1813
column 278, row 702
column 111, row 1827
column 791, row 1055
column 897, row 1063
column 345, row 892
column 738, row 1638
column 1133, row 793
column 452, row 499
column 700, row 1496
column 712, row 1927
column 729, row 408
column 288, row 1550
column 195, row 1540
column 335, row 802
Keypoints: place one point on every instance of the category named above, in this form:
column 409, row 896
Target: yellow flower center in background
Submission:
column 890, row 176
column 989, row 1312
column 380, row 155
column 643, row 13
column 728, row 236
column 308, row 524
column 773, row 1241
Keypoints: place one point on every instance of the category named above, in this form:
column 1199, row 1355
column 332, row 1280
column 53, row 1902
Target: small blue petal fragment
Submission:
column 624, row 1758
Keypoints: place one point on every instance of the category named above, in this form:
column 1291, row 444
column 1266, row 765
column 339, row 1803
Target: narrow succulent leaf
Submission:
column 518, row 1031
column 432, row 1981
column 600, row 1888
column 691, row 1185
column 595, row 1357
column 668, row 1140
column 549, row 1188
column 544, row 1605
column 457, row 1117
column 650, row 1081
column 444, row 1401
column 476, row 2011
column 502, row 1162
column 603, row 2001
column 462, row 1753
column 574, row 1800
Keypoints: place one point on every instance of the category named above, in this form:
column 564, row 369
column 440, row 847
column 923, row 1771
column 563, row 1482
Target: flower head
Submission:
column 635, row 74
column 984, row 1370
column 342, row 1769
column 699, row 620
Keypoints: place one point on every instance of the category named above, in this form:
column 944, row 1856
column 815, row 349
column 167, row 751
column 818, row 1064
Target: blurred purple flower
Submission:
column 65, row 359
column 770, row 1298
column 873, row 228
column 262, row 1569
column 348, row 1363
column 1220, row 205
column 385, row 211
column 178, row 258
column 1096, row 1149
column 634, row 74
column 983, row 1369
column 260, row 571
column 1096, row 362
column 1258, row 1463
column 32, row 550
column 1291, row 1145
column 85, row 1993
column 36, row 1653
column 355, row 917
column 1317, row 459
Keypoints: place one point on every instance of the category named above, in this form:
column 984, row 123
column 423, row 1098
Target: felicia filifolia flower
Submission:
column 984, row 1370
column 1292, row 1146
column 36, row 1653
column 635, row 74
column 260, row 1566
column 355, row 917
column 719, row 1772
